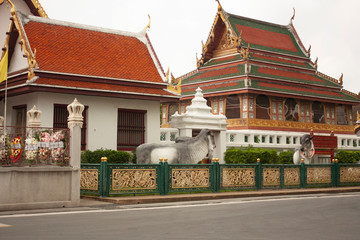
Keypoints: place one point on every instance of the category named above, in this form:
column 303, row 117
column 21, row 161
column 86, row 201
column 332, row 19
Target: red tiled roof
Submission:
column 101, row 86
column 88, row 52
column 278, row 59
column 288, row 74
column 266, row 38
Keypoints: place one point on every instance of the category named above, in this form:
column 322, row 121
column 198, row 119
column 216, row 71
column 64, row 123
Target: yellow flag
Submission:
column 4, row 67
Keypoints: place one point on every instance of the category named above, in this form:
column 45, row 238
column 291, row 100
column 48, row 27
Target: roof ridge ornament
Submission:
column 316, row 63
column 308, row 51
column 341, row 79
column 292, row 18
column 148, row 26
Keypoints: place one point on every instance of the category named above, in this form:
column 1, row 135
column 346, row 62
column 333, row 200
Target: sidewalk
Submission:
column 88, row 203
column 131, row 200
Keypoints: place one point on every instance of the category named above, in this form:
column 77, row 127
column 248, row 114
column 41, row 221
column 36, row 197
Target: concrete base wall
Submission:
column 38, row 187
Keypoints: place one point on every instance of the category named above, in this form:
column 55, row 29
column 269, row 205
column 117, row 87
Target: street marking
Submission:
column 4, row 225
column 139, row 208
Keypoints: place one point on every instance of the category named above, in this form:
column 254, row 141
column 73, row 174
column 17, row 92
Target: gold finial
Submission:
column 167, row 75
column 302, row 160
column 165, row 159
column 316, row 63
column 293, row 17
column 198, row 62
column 219, row 5
column 13, row 10
column 258, row 160
column 172, row 78
column 161, row 159
column 341, row 79
column 148, row 26
column 308, row 51
column 104, row 159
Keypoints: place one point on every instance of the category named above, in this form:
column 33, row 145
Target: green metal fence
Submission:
column 117, row 179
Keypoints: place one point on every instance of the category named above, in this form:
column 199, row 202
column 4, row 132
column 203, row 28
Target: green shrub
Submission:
column 113, row 156
column 286, row 157
column 250, row 155
column 347, row 156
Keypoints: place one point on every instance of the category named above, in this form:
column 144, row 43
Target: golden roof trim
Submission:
column 24, row 44
column 334, row 80
column 235, row 40
column 40, row 9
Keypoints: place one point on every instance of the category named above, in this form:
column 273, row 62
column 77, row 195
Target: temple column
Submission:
column 75, row 123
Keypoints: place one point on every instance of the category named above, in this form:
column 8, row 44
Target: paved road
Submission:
column 335, row 216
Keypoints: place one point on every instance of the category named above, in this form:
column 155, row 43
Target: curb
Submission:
column 214, row 196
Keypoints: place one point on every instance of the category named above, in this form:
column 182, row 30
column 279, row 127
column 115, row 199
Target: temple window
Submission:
column 130, row 129
column 218, row 105
column 232, row 107
column 305, row 112
column 277, row 109
column 341, row 115
column 291, row 110
column 262, row 107
column 247, row 106
column 318, row 112
column 350, row 116
column 330, row 113
column 183, row 106
column 163, row 114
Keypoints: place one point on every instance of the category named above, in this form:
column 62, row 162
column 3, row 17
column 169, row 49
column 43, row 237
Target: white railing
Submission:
column 168, row 135
column 265, row 139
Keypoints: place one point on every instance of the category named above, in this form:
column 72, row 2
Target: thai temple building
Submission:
column 257, row 74
column 261, row 77
column 115, row 74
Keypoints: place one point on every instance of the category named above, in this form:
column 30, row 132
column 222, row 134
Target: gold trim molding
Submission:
column 24, row 44
column 288, row 124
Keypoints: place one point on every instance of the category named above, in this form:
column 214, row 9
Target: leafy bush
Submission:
column 113, row 156
column 348, row 156
column 250, row 155
column 286, row 157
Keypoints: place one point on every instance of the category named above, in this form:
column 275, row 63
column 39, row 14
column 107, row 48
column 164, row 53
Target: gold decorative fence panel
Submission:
column 292, row 177
column 318, row 175
column 349, row 174
column 271, row 177
column 130, row 179
column 133, row 178
column 238, row 177
column 115, row 179
column 188, row 178
column 89, row 179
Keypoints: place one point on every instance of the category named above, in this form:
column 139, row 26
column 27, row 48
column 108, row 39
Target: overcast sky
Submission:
column 178, row 27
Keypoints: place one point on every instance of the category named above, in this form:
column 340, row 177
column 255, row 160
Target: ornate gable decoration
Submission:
column 228, row 40
column 24, row 44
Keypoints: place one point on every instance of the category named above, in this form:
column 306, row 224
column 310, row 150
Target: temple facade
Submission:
column 261, row 77
column 115, row 74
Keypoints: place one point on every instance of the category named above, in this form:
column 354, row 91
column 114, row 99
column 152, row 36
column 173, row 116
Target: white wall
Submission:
column 101, row 118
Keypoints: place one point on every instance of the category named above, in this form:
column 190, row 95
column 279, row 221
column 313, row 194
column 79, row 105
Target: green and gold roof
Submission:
column 246, row 55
